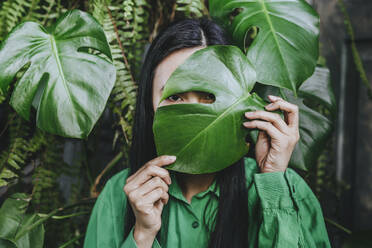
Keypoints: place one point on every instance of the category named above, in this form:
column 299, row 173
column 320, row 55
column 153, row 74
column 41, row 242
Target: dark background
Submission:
column 352, row 146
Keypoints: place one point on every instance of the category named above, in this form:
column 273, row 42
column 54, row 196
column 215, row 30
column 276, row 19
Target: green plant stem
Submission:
column 72, row 241
column 348, row 231
column 55, row 211
column 357, row 60
column 106, row 169
column 119, row 42
column 61, row 217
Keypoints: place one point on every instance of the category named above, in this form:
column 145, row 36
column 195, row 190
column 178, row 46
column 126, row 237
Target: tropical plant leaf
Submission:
column 14, row 221
column 207, row 137
column 315, row 127
column 68, row 86
column 287, row 41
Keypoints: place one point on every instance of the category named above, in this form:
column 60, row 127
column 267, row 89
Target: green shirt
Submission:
column 282, row 212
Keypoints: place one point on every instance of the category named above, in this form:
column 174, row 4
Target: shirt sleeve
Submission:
column 131, row 243
column 291, row 214
column 106, row 223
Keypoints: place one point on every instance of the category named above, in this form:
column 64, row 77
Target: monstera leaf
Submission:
column 285, row 50
column 68, row 86
column 314, row 126
column 15, row 228
column 207, row 137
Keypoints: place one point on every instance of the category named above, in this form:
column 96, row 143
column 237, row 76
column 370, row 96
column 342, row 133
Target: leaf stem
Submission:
column 55, row 211
column 348, row 231
column 93, row 191
column 119, row 42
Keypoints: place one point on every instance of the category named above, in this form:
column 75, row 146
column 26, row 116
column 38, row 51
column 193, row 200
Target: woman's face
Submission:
column 163, row 72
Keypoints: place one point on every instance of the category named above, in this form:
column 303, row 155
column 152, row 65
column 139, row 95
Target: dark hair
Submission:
column 230, row 223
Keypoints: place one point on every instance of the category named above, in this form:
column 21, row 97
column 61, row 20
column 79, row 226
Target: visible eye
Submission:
column 174, row 98
column 208, row 98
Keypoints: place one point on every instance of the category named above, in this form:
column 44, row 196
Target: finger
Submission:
column 147, row 174
column 150, row 185
column 291, row 109
column 158, row 161
column 269, row 128
column 274, row 118
column 153, row 196
column 159, row 204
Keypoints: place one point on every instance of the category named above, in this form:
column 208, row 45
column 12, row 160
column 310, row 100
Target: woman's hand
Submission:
column 147, row 191
column 277, row 137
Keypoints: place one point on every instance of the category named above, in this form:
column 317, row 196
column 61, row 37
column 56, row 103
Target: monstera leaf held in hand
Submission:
column 68, row 86
column 285, row 50
column 207, row 137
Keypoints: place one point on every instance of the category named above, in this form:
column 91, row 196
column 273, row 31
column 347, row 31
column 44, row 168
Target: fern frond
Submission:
column 190, row 8
column 47, row 171
column 46, row 12
column 132, row 19
column 123, row 96
column 20, row 148
column 12, row 13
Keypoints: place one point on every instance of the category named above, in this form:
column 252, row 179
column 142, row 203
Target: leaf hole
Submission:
column 250, row 35
column 190, row 97
column 93, row 51
column 234, row 13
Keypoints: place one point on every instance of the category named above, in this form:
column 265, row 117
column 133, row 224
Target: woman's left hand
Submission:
column 277, row 137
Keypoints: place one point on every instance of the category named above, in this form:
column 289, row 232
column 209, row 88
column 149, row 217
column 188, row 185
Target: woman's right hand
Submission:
column 147, row 191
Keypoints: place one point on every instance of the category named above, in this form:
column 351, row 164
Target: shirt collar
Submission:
column 176, row 192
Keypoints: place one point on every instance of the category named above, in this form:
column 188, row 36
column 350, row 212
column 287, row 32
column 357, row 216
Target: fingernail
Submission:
column 269, row 105
column 246, row 124
column 247, row 114
column 272, row 97
column 172, row 158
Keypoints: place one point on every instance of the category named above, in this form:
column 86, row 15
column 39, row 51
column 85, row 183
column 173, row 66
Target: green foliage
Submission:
column 64, row 84
column 315, row 126
column 21, row 147
column 215, row 128
column 18, row 227
column 123, row 95
column 191, row 8
column 287, row 42
column 357, row 60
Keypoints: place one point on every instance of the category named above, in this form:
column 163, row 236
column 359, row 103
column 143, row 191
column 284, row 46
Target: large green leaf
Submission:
column 15, row 223
column 285, row 51
column 68, row 86
column 315, row 127
column 207, row 137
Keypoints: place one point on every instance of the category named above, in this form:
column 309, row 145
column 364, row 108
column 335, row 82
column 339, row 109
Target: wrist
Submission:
column 144, row 237
column 268, row 168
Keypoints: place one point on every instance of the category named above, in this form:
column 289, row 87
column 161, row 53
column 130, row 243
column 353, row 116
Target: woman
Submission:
column 251, row 203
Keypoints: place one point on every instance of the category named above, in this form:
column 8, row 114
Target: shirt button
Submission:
column 195, row 224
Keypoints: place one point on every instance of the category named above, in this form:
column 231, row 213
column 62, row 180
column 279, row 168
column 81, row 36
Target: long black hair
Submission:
column 230, row 223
